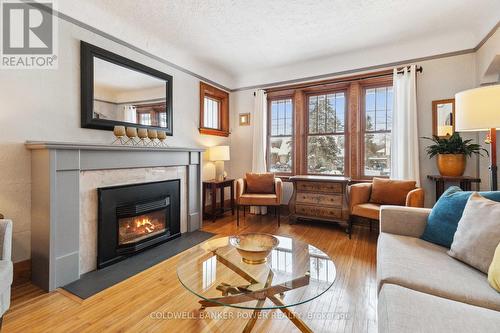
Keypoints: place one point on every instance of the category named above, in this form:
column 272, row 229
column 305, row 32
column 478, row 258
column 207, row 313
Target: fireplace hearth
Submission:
column 135, row 217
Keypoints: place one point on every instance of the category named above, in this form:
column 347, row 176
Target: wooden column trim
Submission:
column 354, row 130
column 300, row 146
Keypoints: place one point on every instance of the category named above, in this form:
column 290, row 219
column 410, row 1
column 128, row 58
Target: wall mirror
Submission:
column 119, row 91
column 443, row 117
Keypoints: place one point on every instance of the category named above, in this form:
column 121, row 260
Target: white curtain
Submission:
column 259, row 139
column 404, row 138
column 129, row 114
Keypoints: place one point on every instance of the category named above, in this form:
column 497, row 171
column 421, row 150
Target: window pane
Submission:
column 325, row 154
column 211, row 113
column 340, row 111
column 281, row 117
column 377, row 154
column 370, row 99
column 313, row 114
column 280, row 159
column 145, row 119
column 378, row 109
column 327, row 113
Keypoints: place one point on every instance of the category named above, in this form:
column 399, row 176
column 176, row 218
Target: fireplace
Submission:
column 132, row 218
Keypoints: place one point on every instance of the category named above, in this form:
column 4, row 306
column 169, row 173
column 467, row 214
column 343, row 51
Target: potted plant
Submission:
column 452, row 153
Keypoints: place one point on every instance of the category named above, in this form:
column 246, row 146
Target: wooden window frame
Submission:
column 279, row 97
column 222, row 97
column 373, row 84
column 354, row 122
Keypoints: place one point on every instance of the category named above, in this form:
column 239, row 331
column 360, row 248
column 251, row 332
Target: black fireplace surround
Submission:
column 132, row 218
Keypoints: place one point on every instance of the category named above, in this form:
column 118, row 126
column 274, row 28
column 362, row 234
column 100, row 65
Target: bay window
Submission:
column 332, row 127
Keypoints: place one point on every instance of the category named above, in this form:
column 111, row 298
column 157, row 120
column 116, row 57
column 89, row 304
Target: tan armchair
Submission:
column 270, row 196
column 361, row 203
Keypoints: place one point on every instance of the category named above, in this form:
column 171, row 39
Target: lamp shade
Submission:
column 218, row 153
column 478, row 109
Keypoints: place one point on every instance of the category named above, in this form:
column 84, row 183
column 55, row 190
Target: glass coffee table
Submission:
column 295, row 273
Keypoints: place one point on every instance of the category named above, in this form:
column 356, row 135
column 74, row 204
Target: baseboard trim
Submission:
column 22, row 272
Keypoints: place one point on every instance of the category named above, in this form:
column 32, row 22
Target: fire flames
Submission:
column 145, row 224
column 134, row 229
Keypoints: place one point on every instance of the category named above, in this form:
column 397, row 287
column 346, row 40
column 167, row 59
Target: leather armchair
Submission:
column 6, row 267
column 258, row 199
column 360, row 205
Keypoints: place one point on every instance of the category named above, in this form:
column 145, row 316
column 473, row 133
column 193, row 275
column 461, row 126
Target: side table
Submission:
column 212, row 186
column 464, row 181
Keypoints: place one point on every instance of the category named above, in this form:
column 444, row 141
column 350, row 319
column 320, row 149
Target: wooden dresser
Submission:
column 322, row 198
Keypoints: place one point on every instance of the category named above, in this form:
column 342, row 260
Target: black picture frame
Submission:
column 87, row 54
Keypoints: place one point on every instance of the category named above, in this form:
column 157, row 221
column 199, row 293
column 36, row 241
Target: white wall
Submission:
column 45, row 105
column 441, row 79
column 487, row 65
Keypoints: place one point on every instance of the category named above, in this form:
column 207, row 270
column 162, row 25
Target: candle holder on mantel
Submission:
column 162, row 135
column 153, row 137
column 119, row 132
column 131, row 133
column 142, row 133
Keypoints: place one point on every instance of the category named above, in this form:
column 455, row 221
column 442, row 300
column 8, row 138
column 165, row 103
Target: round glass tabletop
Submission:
column 294, row 273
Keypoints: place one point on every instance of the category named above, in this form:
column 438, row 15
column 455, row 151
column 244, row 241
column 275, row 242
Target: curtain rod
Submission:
column 419, row 69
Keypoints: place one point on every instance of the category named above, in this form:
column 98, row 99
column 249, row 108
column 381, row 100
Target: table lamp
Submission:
column 219, row 154
column 479, row 110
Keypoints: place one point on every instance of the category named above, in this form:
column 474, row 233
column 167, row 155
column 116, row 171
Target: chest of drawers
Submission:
column 322, row 198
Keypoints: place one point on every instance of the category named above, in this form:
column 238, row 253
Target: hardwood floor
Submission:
column 349, row 306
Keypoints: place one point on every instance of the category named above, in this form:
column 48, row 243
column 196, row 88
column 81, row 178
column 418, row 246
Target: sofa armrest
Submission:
column 278, row 189
column 240, row 188
column 404, row 221
column 5, row 240
column 415, row 198
column 359, row 194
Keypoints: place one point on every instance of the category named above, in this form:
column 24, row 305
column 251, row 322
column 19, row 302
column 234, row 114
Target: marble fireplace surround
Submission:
column 65, row 177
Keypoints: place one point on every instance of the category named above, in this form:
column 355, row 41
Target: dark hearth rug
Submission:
column 94, row 282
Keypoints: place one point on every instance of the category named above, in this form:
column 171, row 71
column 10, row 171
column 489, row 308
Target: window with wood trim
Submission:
column 214, row 110
column 326, row 134
column 338, row 127
column 280, row 136
column 377, row 125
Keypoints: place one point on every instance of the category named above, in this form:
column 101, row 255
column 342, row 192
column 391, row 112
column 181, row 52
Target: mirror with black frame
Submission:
column 119, row 91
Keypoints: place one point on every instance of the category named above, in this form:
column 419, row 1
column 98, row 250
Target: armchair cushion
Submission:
column 368, row 210
column 390, row 192
column 249, row 199
column 262, row 183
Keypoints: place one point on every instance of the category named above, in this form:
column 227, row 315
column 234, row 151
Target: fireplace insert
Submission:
column 135, row 217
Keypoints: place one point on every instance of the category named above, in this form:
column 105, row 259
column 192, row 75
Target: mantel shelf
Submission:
column 97, row 146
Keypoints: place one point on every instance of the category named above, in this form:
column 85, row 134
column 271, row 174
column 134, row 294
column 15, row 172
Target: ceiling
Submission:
column 238, row 37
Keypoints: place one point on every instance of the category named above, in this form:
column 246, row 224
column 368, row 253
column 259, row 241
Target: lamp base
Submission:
column 219, row 171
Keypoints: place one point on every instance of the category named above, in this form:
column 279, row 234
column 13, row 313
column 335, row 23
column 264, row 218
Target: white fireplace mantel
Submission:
column 55, row 198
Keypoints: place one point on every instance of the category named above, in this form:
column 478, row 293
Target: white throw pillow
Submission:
column 478, row 233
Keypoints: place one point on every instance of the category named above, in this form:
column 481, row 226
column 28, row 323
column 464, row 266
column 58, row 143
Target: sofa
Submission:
column 6, row 269
column 421, row 288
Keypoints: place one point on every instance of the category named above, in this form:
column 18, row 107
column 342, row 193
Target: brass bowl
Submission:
column 254, row 247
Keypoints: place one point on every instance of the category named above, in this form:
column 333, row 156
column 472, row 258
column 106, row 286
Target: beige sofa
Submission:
column 421, row 288
column 5, row 265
